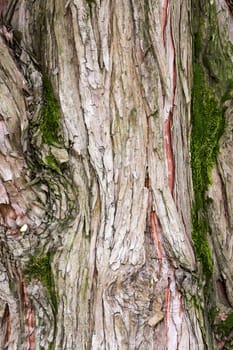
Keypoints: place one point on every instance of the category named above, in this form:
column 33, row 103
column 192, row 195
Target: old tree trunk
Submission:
column 116, row 169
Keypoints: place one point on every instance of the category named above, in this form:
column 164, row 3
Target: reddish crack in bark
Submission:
column 169, row 153
column 154, row 228
column 164, row 19
column 28, row 311
column 154, row 232
column 167, row 308
column 7, row 322
column 173, row 308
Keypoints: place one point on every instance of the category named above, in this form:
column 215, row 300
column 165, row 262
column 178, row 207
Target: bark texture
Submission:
column 115, row 174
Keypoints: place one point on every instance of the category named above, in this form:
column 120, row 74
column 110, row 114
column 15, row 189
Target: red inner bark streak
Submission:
column 169, row 153
column 154, row 225
column 154, row 233
column 164, row 19
column 167, row 308
column 169, row 47
column 7, row 321
column 28, row 310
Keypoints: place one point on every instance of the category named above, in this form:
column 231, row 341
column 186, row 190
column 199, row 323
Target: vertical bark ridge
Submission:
column 169, row 105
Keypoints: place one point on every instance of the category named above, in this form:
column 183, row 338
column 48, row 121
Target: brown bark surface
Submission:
column 96, row 191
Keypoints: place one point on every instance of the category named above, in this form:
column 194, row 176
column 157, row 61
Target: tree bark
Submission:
column 115, row 174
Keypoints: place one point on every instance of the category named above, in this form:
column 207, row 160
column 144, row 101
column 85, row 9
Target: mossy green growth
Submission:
column 228, row 95
column 225, row 327
column 52, row 163
column 39, row 267
column 213, row 312
column 207, row 128
column 51, row 120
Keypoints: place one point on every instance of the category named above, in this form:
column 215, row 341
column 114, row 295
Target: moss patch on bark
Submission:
column 212, row 86
column 207, row 128
column 39, row 267
column 51, row 119
column 52, row 163
column 225, row 327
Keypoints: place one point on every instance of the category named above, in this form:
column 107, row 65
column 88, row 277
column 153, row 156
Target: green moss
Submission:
column 216, row 51
column 50, row 347
column 194, row 301
column 225, row 327
column 212, row 86
column 228, row 95
column 212, row 315
column 197, row 44
column 51, row 121
column 52, row 163
column 207, row 128
column 39, row 267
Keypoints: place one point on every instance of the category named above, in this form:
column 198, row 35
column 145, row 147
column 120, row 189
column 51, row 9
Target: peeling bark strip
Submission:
column 169, row 105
